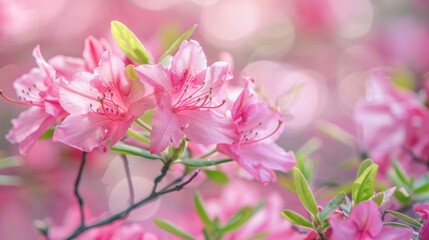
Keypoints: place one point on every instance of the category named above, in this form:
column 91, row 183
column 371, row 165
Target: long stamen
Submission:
column 269, row 135
column 19, row 102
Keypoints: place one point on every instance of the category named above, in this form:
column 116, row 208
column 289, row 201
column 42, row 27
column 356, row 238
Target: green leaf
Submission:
column 399, row 171
column 335, row 132
column 404, row 218
column 14, row 161
column 10, row 180
column 129, row 43
column 171, row 228
column 202, row 163
column 262, row 235
column 178, row 41
column 396, row 224
column 296, row 219
column 402, row 195
column 363, row 166
column 123, row 148
column 363, row 186
column 201, row 210
column 47, row 134
column 239, row 218
column 304, row 193
column 305, row 166
column 378, row 198
column 131, row 73
column 421, row 185
column 216, row 176
column 382, row 198
column 331, row 206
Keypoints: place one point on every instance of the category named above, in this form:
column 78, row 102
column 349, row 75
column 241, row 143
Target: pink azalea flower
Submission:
column 67, row 66
column 390, row 124
column 35, row 89
column 365, row 223
column 102, row 106
column 186, row 95
column 423, row 210
column 258, row 126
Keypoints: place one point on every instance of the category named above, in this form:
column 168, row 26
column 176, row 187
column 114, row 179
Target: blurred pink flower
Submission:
column 186, row 95
column 423, row 211
column 35, row 89
column 258, row 126
column 365, row 223
column 102, row 106
column 390, row 124
column 116, row 230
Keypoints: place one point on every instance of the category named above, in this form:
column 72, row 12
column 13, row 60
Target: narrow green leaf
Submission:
column 47, row 134
column 304, row 165
column 239, row 218
column 131, row 73
column 396, row 224
column 129, row 43
column 178, row 41
column 171, row 228
column 202, row 163
column 378, row 198
column 363, row 166
column 6, row 180
column 304, row 193
column 216, row 176
column 296, row 219
column 123, row 148
column 402, row 175
column 404, row 218
column 259, row 236
column 421, row 185
column 201, row 210
column 331, row 206
column 335, row 132
column 363, row 186
column 14, row 161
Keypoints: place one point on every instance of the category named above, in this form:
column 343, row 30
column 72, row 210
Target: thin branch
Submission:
column 129, row 180
column 152, row 196
column 76, row 189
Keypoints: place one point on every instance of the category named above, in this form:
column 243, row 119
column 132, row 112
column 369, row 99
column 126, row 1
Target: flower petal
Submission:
column 188, row 61
column 167, row 130
column 207, row 127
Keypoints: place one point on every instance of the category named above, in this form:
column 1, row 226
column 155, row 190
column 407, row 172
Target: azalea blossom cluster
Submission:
column 392, row 124
column 92, row 102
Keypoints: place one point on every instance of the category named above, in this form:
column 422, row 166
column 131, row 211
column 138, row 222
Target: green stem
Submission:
column 143, row 125
column 208, row 154
column 137, row 136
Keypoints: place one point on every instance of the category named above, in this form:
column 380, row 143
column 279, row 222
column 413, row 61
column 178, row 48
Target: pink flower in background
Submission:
column 102, row 106
column 118, row 230
column 35, row 89
column 187, row 94
column 365, row 223
column 67, row 66
column 391, row 124
column 258, row 127
column 423, row 211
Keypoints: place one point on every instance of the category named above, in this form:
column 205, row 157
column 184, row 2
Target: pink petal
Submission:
column 366, row 216
column 46, row 69
column 84, row 132
column 78, row 96
column 93, row 50
column 207, row 127
column 342, row 229
column 28, row 127
column 189, row 60
column 67, row 66
column 112, row 73
column 260, row 159
column 156, row 76
column 167, row 130
column 396, row 233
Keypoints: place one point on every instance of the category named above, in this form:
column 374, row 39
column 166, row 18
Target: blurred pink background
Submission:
column 312, row 55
